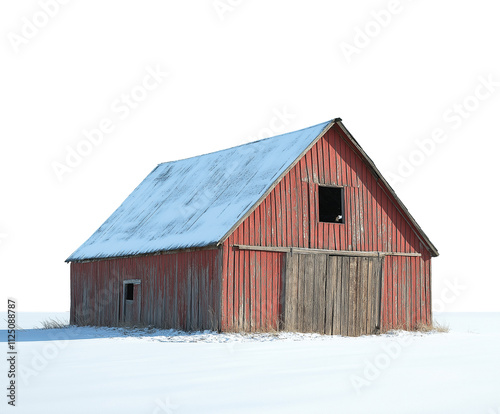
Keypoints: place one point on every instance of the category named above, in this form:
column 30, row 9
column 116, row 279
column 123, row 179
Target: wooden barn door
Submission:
column 334, row 295
column 131, row 310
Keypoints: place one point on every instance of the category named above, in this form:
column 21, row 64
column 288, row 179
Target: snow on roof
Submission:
column 196, row 201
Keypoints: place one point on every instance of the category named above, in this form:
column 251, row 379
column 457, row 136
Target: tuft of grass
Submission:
column 54, row 324
column 435, row 327
column 440, row 328
column 432, row 327
column 427, row 328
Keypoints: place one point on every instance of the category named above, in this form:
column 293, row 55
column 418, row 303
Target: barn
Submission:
column 298, row 232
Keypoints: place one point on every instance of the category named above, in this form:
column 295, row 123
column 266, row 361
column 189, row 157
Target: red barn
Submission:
column 297, row 232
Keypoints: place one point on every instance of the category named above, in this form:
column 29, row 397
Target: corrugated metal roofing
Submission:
column 195, row 202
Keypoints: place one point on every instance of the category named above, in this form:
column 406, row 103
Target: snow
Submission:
column 196, row 201
column 112, row 370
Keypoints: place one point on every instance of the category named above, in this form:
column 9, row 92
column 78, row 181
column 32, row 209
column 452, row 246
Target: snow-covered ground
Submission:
column 102, row 370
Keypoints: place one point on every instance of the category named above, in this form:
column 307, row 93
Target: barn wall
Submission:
column 288, row 216
column 252, row 281
column 179, row 290
column 406, row 296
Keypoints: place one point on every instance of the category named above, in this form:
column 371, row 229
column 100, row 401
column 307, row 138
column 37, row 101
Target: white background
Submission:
column 393, row 71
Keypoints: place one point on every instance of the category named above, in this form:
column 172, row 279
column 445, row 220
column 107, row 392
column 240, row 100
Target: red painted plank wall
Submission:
column 288, row 216
column 406, row 295
column 251, row 292
column 179, row 290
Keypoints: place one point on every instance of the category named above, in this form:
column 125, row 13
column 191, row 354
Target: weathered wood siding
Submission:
column 179, row 290
column 406, row 297
column 233, row 289
column 288, row 216
column 251, row 294
column 332, row 295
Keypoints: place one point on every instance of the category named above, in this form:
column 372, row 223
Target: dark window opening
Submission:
column 331, row 204
column 129, row 291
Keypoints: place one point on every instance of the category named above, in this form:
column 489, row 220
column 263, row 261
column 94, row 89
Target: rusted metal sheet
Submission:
column 179, row 290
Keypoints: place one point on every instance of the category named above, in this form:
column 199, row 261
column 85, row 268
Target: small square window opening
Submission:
column 331, row 204
column 129, row 291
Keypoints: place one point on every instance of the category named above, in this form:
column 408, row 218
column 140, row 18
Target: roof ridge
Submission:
column 251, row 142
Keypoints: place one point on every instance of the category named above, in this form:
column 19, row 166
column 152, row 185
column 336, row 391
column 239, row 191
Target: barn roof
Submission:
column 194, row 202
column 198, row 201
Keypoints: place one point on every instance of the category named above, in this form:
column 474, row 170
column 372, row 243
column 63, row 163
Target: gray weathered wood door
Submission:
column 335, row 295
column 131, row 313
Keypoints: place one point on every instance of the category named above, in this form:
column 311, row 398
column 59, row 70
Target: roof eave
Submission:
column 209, row 246
column 271, row 187
column 432, row 249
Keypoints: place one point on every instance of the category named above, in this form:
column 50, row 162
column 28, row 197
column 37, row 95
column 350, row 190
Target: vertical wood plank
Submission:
column 345, row 308
column 301, row 299
column 362, row 325
column 337, row 304
column 252, row 292
column 330, row 275
column 294, row 284
column 320, row 292
column 308, row 291
column 257, row 299
column 275, row 312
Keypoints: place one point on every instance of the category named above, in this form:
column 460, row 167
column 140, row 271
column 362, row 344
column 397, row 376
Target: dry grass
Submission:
column 433, row 327
column 54, row 324
column 421, row 327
